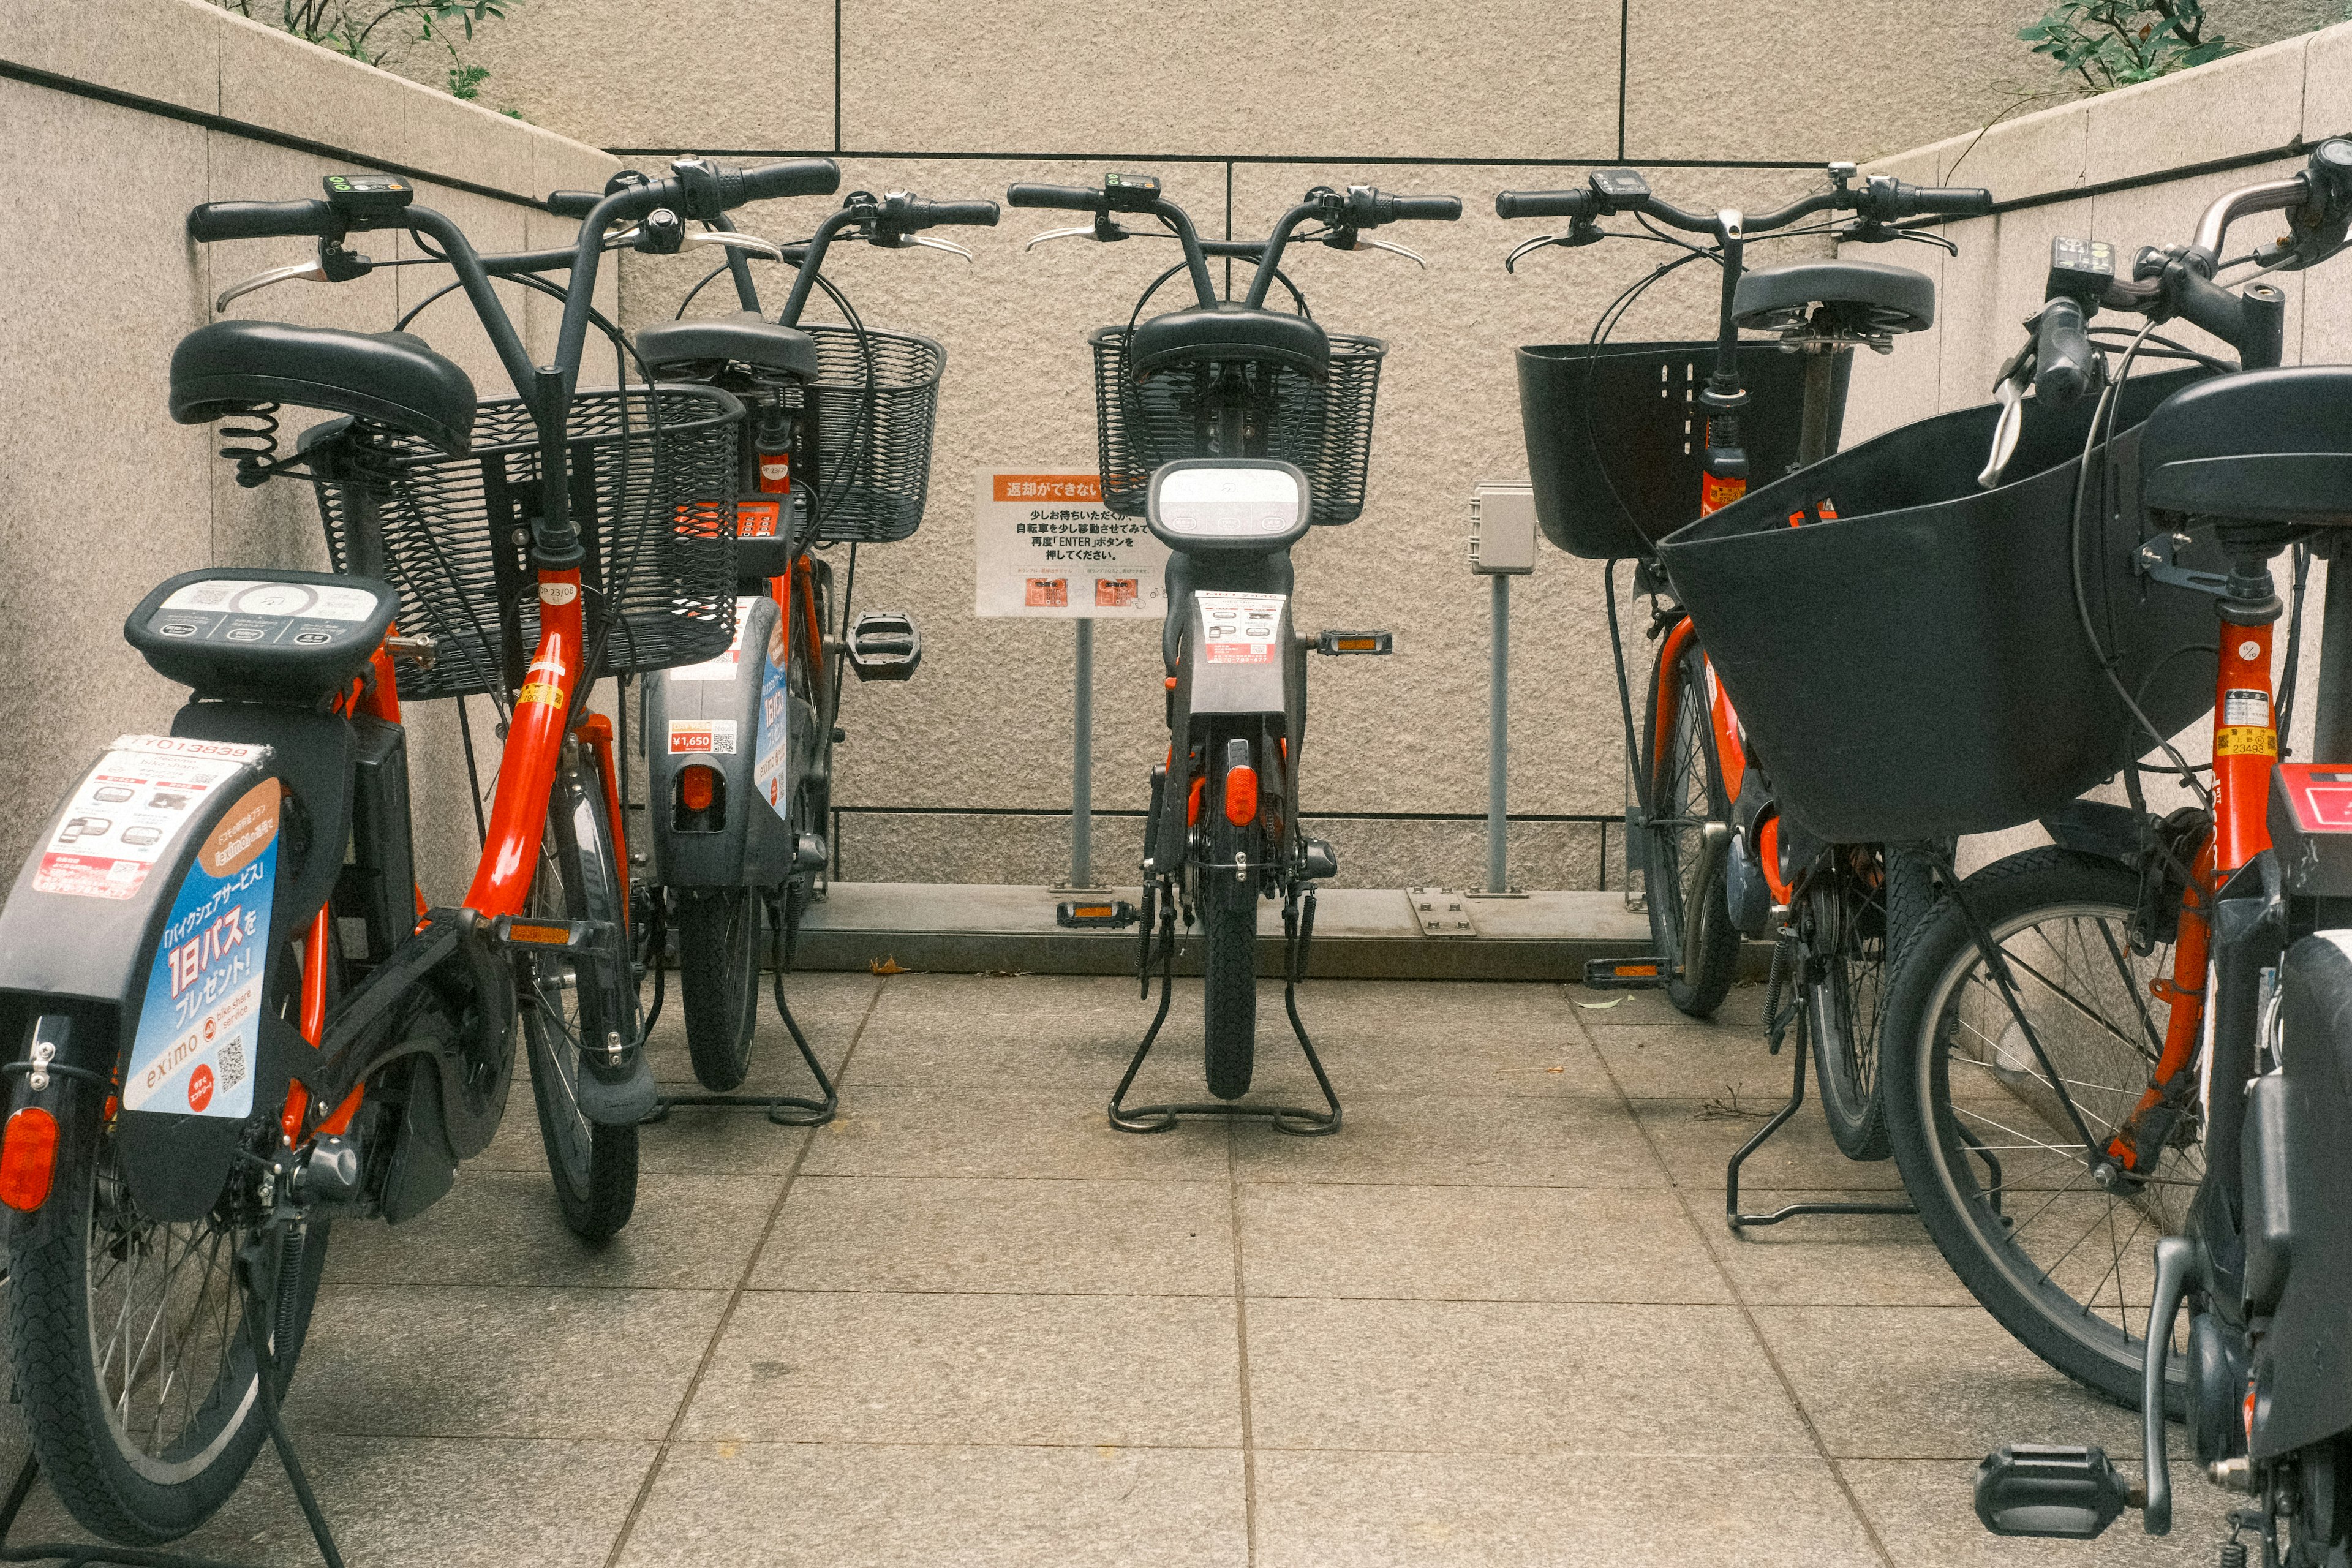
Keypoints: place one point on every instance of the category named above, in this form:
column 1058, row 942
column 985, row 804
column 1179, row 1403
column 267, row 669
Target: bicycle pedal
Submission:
column 885, row 646
column 1624, row 974
column 1355, row 642
column 530, row 932
column 1112, row 915
column 2055, row 1491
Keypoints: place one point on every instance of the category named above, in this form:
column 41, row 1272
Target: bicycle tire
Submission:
column 718, row 981
column 1229, row 941
column 1846, row 923
column 68, row 1259
column 565, row 1001
column 2053, row 913
column 1670, row 853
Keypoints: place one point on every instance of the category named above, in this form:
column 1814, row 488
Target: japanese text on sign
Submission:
column 1045, row 546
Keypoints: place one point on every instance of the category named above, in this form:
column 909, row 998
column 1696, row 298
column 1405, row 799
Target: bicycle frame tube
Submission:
column 1730, row 751
column 535, row 747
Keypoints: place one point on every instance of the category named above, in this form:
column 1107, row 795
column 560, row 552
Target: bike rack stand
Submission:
column 1740, row 1222
column 76, row 1554
column 783, row 1109
column 1297, row 932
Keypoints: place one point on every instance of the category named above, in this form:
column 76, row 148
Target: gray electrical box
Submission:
column 1502, row 528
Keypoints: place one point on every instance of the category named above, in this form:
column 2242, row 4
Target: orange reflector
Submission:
column 1168, row 682
column 1241, row 796
column 29, row 1156
column 1192, row 803
column 1631, row 971
column 1093, row 912
column 539, row 935
column 697, row 786
column 1356, row 645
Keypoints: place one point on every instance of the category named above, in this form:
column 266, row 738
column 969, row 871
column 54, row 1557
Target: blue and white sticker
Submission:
column 200, row 1026
column 771, row 759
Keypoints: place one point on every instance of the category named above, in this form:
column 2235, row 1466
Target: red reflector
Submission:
column 696, row 787
column 29, row 1156
column 1241, row 796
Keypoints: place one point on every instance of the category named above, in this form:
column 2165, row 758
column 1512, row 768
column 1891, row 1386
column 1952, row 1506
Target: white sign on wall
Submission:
column 1044, row 546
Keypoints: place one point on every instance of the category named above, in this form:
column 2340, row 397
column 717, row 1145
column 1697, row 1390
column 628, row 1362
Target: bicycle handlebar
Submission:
column 1578, row 205
column 1880, row 199
column 264, row 220
column 2062, row 354
column 1070, row 198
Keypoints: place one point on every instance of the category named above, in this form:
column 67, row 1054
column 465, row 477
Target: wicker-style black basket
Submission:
column 873, row 444
column 1324, row 427
column 653, row 495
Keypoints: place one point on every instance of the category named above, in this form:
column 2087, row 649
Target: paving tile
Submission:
column 1045, row 1032
column 693, row 1140
column 897, row 1233
column 806, row 1505
column 1922, row 1511
column 1490, row 1510
column 1932, row 1382
column 450, row 1362
column 816, row 1367
column 503, row 1227
column 1528, row 1243
column 453, row 1502
column 1003, row 1132
column 1500, row 1140
column 1677, row 1061
column 1743, row 1008
column 1826, row 1261
column 1697, row 1137
column 1513, row 1377
column 828, row 1007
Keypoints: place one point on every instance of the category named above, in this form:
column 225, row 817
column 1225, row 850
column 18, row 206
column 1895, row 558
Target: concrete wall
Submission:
column 2117, row 151
column 101, row 496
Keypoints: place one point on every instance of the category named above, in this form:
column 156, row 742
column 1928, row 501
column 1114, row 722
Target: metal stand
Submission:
column 1738, row 1221
column 783, row 1109
column 1297, row 932
column 73, row 1554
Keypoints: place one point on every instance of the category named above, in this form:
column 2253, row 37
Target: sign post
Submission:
column 1046, row 548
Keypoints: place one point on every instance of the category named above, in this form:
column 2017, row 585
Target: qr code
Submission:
column 232, row 1064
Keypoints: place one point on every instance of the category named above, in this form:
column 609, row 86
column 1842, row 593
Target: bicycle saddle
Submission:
column 1867, row 298
column 743, row 338
column 2271, row 446
column 386, row 378
column 1230, row 331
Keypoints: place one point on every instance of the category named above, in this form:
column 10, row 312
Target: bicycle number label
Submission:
column 1239, row 629
column 704, row 737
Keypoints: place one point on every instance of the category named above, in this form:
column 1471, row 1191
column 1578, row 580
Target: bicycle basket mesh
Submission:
column 652, row 485
column 1323, row 427
column 877, row 448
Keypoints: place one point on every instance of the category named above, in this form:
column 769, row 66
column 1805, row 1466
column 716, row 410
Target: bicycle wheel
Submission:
column 1843, row 933
column 578, row 999
column 719, row 980
column 129, row 1338
column 1987, row 1147
column 1686, row 792
column 1229, row 937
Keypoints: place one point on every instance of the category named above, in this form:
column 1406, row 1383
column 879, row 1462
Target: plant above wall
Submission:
column 390, row 34
column 2115, row 42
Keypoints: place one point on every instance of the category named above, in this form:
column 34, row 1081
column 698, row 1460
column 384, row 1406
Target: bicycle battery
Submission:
column 726, row 742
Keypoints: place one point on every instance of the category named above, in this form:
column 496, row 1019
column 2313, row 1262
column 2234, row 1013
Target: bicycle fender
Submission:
column 734, row 714
column 150, row 898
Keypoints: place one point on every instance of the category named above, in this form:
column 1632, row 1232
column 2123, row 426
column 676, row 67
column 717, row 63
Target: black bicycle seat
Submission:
column 1230, row 331
column 743, row 339
column 1868, row 297
column 2273, row 446
column 387, row 378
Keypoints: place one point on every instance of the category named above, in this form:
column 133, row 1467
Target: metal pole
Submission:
column 1499, row 741
column 1082, row 763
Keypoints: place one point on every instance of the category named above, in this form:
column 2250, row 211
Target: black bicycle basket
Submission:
column 1917, row 667
column 874, row 446
column 653, row 480
column 1323, row 427
column 1617, row 441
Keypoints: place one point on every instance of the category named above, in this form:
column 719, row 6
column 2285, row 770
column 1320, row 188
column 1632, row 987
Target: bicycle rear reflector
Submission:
column 1110, row 915
column 29, row 1157
column 511, row 931
column 1624, row 974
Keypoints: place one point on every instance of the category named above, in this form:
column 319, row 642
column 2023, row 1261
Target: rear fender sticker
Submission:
column 1239, row 629
column 702, row 737
column 127, row 811
column 771, row 763
column 199, row 1027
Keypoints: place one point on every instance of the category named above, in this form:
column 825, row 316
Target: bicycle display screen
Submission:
column 1214, row 502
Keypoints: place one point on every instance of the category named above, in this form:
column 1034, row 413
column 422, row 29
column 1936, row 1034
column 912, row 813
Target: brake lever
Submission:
column 307, row 271
column 1086, row 229
column 950, row 247
column 737, row 240
column 1365, row 242
column 2009, row 393
column 1511, row 262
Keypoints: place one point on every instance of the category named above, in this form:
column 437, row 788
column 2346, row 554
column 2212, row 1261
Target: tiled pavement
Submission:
column 1496, row 1320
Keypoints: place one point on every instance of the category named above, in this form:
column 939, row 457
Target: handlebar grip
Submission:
column 263, row 220
column 1441, row 209
column 574, row 204
column 1076, row 198
column 2061, row 354
column 981, row 215
column 795, row 178
column 1545, row 203
column 1952, row 201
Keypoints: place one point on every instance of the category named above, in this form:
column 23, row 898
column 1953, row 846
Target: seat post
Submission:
column 1813, row 441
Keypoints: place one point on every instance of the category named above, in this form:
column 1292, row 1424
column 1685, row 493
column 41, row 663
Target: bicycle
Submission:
column 835, row 448
column 1721, row 858
column 235, row 1021
column 1232, row 428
